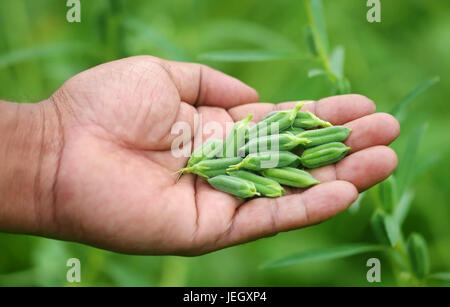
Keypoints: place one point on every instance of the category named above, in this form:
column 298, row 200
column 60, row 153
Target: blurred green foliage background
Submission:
column 39, row 50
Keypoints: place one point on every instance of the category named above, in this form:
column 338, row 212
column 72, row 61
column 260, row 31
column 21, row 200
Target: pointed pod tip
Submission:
column 234, row 167
column 278, row 191
column 299, row 135
column 304, row 141
column 298, row 106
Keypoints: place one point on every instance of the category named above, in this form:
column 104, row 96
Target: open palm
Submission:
column 117, row 187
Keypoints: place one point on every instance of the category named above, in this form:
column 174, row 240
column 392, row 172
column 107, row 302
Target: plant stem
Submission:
column 403, row 273
column 323, row 56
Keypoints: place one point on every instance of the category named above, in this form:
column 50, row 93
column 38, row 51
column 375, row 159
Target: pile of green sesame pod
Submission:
column 276, row 152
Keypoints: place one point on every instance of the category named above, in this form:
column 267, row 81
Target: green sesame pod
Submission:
column 212, row 173
column 325, row 135
column 323, row 154
column 236, row 138
column 211, row 168
column 281, row 119
column 208, row 150
column 385, row 228
column 281, row 142
column 388, row 193
column 377, row 222
column 418, row 255
column 236, row 186
column 307, row 120
column 269, row 159
column 290, row 176
column 310, row 41
column 294, row 130
column 265, row 186
column 295, row 164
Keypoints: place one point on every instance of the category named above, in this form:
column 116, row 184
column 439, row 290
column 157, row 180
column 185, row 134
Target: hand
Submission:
column 116, row 185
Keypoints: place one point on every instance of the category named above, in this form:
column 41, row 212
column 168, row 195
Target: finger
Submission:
column 201, row 85
column 363, row 169
column 267, row 216
column 372, row 130
column 341, row 109
column 337, row 110
column 367, row 167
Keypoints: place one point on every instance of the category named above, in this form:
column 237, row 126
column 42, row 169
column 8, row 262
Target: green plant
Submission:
column 410, row 261
column 208, row 150
column 290, row 176
column 32, row 70
column 236, row 137
column 238, row 187
column 255, row 161
column 324, row 154
column 325, row 135
column 294, row 130
column 267, row 187
column 418, row 255
column 211, row 168
column 284, row 141
column 279, row 166
column 282, row 120
column 307, row 120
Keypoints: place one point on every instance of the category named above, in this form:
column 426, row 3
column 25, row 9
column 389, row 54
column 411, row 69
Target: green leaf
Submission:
column 24, row 278
column 402, row 208
column 323, row 254
column 126, row 276
column 426, row 164
column 50, row 259
column 377, row 223
column 392, row 229
column 385, row 228
column 388, row 193
column 408, row 159
column 154, row 39
column 309, row 38
column 316, row 18
column 249, row 56
column 232, row 31
column 418, row 255
column 316, row 72
column 440, row 276
column 342, row 86
column 337, row 61
column 399, row 109
column 40, row 52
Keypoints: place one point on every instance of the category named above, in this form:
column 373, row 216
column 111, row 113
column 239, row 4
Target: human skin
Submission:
column 93, row 163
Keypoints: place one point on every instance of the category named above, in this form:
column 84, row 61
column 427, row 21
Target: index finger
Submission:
column 198, row 84
column 337, row 110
